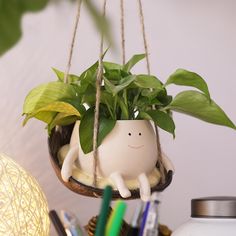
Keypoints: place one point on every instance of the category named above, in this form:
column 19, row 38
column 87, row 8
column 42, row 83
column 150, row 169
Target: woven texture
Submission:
column 23, row 206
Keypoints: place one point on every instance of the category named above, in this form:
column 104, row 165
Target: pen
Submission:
column 57, row 223
column 103, row 215
column 151, row 225
column 144, row 218
column 115, row 221
column 134, row 225
column 71, row 223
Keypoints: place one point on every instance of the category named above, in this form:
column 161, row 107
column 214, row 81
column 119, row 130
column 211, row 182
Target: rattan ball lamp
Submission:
column 23, row 206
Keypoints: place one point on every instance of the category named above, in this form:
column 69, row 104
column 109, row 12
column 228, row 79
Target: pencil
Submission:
column 115, row 221
column 57, row 223
column 103, row 215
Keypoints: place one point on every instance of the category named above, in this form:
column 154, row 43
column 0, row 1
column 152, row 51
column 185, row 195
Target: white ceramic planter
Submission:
column 130, row 149
column 128, row 153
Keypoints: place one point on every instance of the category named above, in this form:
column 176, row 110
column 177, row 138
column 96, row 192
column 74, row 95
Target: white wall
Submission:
column 195, row 35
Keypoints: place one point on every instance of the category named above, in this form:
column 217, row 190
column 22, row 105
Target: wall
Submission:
column 196, row 35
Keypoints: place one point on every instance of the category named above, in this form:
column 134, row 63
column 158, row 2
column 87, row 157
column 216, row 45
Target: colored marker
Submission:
column 104, row 211
column 144, row 218
column 115, row 221
column 151, row 225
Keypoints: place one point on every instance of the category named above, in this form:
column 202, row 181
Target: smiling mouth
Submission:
column 135, row 147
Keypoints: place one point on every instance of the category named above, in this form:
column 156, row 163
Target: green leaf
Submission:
column 50, row 109
column 124, row 109
column 124, row 83
column 76, row 104
column 111, row 66
column 86, row 130
column 161, row 119
column 133, row 61
column 188, row 78
column 10, row 24
column 197, row 104
column 89, row 72
column 45, row 116
column 62, row 119
column 89, row 96
column 29, row 5
column 47, row 93
column 11, row 12
column 60, row 76
column 88, row 78
column 145, row 102
column 150, row 94
column 148, row 81
column 62, row 107
column 115, row 75
column 108, row 100
column 164, row 98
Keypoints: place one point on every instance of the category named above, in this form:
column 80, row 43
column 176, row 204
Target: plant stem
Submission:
column 126, row 101
column 110, row 111
column 115, row 107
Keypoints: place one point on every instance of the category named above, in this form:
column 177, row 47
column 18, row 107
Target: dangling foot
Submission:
column 144, row 186
column 120, row 184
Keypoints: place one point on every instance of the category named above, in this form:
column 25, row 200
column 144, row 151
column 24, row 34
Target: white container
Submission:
column 130, row 149
column 212, row 216
column 126, row 159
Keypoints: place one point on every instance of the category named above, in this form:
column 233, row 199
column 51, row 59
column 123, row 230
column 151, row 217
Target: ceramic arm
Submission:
column 71, row 157
column 167, row 163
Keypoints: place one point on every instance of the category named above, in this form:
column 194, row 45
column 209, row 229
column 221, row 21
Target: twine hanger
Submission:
column 100, row 75
column 71, row 49
column 122, row 30
column 159, row 149
column 98, row 98
column 98, row 84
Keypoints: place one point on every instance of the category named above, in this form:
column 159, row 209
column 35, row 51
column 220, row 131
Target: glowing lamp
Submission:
column 23, row 206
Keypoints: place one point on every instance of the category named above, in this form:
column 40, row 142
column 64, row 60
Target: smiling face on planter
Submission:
column 129, row 149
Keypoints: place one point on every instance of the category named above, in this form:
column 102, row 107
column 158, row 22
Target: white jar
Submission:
column 212, row 216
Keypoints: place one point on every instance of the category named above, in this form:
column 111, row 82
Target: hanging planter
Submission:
column 127, row 159
column 116, row 113
column 82, row 181
column 127, row 148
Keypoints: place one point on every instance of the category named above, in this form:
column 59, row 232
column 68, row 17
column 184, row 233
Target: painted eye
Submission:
column 139, row 134
column 129, row 134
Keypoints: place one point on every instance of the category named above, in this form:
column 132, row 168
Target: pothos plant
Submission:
column 124, row 96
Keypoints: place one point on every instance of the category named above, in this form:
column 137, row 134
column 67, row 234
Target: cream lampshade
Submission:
column 23, row 206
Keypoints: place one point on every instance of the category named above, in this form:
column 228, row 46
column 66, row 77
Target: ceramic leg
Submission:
column 71, row 157
column 120, row 184
column 144, row 185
